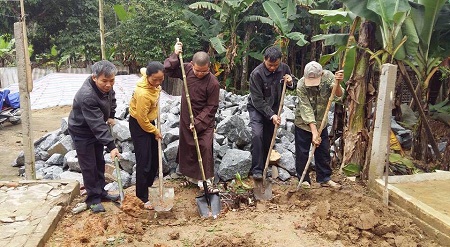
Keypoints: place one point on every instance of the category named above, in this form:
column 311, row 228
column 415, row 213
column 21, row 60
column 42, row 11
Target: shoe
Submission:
column 113, row 198
column 185, row 184
column 97, row 208
column 257, row 176
column 331, row 183
column 306, row 185
column 148, row 205
column 212, row 190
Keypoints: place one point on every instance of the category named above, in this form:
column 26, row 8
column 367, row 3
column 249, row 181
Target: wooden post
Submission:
column 382, row 123
column 102, row 28
column 25, row 84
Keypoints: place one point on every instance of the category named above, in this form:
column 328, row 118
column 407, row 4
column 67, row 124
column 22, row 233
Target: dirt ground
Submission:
column 313, row 217
column 42, row 121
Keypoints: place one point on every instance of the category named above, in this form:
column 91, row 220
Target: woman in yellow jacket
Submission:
column 143, row 113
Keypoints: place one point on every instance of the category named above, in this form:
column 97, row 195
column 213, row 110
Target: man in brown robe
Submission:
column 203, row 89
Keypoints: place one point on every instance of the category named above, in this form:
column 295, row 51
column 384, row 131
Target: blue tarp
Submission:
column 9, row 99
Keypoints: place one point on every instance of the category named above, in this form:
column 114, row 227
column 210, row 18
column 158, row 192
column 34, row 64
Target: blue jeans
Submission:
column 322, row 158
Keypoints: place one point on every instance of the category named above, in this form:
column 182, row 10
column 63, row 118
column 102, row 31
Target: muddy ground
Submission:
column 314, row 217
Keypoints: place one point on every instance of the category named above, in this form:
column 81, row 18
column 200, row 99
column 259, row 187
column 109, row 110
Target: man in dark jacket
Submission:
column 92, row 111
column 266, row 86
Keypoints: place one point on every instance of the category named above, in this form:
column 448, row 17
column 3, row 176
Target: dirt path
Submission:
column 43, row 121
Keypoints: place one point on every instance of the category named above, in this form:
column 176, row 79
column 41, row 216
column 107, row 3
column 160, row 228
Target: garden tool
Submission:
column 161, row 198
column 208, row 204
column 313, row 147
column 119, row 179
column 263, row 189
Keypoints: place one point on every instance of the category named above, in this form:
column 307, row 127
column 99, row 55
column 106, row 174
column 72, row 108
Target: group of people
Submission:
column 94, row 106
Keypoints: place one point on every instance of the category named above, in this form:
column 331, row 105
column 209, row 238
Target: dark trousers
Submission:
column 322, row 158
column 262, row 132
column 92, row 164
column 146, row 151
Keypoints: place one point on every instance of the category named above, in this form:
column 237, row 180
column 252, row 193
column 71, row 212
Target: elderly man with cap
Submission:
column 313, row 91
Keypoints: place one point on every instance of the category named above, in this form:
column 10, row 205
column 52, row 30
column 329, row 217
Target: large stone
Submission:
column 64, row 145
column 234, row 161
column 120, row 130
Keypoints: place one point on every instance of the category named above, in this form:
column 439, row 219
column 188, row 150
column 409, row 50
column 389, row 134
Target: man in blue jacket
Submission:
column 92, row 111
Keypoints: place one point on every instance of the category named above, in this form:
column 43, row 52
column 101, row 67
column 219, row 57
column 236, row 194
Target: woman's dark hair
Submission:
column 153, row 67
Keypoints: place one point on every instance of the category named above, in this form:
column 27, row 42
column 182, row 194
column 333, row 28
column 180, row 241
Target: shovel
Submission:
column 119, row 179
column 313, row 147
column 161, row 198
column 263, row 189
column 208, row 204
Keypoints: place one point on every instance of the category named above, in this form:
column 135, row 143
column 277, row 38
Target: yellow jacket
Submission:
column 144, row 104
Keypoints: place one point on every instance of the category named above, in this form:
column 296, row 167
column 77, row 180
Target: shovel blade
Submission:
column 208, row 211
column 162, row 204
column 262, row 190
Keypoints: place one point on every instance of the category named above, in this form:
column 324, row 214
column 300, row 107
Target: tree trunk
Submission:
column 244, row 75
column 173, row 86
column 356, row 137
column 292, row 58
column 102, row 29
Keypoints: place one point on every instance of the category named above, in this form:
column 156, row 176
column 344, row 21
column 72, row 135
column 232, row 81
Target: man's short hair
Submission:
column 272, row 54
column 201, row 58
column 105, row 68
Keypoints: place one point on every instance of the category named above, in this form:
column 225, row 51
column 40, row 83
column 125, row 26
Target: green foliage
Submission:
column 283, row 15
column 399, row 161
column 442, row 107
column 150, row 32
column 6, row 50
column 351, row 170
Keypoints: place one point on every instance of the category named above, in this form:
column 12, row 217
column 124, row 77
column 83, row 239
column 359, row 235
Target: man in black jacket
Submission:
column 266, row 84
column 92, row 111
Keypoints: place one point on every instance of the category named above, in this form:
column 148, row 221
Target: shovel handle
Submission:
column 160, row 168
column 274, row 135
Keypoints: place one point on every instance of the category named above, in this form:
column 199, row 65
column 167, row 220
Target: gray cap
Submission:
column 313, row 73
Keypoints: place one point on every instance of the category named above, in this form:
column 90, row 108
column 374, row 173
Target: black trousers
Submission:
column 146, row 151
column 92, row 164
column 322, row 158
column 262, row 132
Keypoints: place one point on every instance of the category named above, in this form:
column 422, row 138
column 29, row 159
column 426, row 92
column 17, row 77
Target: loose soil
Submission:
column 313, row 217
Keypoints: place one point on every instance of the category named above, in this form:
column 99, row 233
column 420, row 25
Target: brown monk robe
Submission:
column 204, row 95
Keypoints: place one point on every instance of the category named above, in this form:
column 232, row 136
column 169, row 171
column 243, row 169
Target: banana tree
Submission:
column 229, row 16
column 429, row 19
column 352, row 152
column 410, row 23
column 281, row 16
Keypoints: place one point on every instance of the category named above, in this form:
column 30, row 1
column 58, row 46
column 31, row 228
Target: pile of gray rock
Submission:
column 56, row 157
